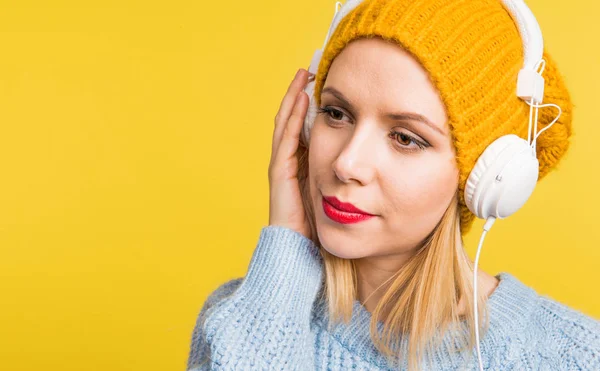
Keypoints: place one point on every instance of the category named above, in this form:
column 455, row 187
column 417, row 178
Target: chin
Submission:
column 344, row 247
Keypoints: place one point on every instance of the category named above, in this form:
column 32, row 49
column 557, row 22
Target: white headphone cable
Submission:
column 488, row 225
column 533, row 143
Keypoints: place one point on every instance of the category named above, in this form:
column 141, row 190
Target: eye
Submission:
column 401, row 140
column 332, row 113
column 406, row 140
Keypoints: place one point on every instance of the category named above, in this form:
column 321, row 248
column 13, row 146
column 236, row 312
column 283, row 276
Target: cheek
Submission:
column 319, row 134
column 426, row 186
column 322, row 146
column 316, row 160
column 439, row 185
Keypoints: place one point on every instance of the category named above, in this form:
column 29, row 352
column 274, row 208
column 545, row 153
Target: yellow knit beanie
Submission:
column 473, row 52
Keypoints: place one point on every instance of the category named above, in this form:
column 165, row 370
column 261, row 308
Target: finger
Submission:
column 291, row 133
column 287, row 105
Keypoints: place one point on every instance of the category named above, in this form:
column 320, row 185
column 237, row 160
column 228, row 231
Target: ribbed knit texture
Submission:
column 473, row 52
column 275, row 319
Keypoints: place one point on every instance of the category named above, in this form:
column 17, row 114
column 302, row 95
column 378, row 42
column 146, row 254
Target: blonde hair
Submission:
column 423, row 297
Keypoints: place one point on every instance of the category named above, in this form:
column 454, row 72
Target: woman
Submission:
column 362, row 265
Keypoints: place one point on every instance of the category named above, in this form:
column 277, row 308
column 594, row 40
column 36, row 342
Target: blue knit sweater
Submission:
column 271, row 320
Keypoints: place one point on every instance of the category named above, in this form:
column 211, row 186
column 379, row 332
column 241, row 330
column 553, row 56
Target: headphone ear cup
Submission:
column 489, row 155
column 311, row 114
column 483, row 163
column 502, row 179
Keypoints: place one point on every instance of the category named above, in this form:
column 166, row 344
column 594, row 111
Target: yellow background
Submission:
column 135, row 140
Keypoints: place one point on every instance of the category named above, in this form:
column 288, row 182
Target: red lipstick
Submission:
column 343, row 212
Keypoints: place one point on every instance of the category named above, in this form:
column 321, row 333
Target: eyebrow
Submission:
column 394, row 116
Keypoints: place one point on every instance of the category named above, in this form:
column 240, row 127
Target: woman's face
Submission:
column 369, row 149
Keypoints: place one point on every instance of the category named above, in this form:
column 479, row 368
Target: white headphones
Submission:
column 506, row 173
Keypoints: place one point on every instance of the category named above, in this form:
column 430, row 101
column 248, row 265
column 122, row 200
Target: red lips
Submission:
column 343, row 212
column 344, row 206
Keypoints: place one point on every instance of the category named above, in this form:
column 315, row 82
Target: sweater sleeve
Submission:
column 576, row 334
column 264, row 322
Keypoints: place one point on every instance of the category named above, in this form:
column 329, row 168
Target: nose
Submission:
column 357, row 160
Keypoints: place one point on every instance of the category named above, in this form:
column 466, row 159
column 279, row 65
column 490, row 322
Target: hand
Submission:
column 285, row 207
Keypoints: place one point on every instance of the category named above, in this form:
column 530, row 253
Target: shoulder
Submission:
column 573, row 334
column 216, row 297
column 223, row 291
column 566, row 320
column 199, row 349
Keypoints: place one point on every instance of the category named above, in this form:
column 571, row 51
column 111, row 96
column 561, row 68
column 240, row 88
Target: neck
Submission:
column 375, row 275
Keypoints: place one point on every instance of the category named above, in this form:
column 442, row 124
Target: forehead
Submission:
column 381, row 75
